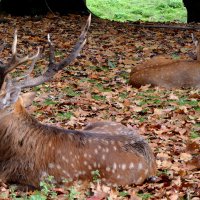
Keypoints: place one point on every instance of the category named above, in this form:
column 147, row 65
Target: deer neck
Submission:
column 19, row 124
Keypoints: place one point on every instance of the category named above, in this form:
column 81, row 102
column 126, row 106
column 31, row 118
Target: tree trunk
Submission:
column 193, row 10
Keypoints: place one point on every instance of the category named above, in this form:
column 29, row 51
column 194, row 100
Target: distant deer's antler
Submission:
column 197, row 45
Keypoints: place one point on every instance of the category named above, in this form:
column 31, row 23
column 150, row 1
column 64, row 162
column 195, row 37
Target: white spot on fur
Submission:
column 103, row 157
column 107, row 150
column 65, row 159
column 51, row 165
column 58, row 166
column 96, row 151
column 123, row 166
column 131, row 166
column 85, row 163
column 64, row 171
column 118, row 176
column 43, row 175
column 140, row 166
column 114, row 166
column 72, row 165
column 107, row 169
column 85, row 155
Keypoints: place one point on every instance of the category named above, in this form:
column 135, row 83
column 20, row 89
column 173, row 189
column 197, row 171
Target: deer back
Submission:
column 34, row 150
column 168, row 73
column 176, row 74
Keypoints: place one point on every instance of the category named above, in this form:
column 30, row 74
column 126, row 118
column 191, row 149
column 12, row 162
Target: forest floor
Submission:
column 95, row 88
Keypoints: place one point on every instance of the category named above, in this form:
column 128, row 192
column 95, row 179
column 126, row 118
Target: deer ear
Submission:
column 28, row 98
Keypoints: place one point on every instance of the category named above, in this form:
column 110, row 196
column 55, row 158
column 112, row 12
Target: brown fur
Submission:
column 167, row 73
column 29, row 151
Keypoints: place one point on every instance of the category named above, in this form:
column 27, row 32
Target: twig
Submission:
column 47, row 5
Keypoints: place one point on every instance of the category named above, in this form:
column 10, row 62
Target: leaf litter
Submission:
column 95, row 87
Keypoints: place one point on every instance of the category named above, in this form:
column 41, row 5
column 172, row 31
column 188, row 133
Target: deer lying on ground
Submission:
column 168, row 73
column 30, row 151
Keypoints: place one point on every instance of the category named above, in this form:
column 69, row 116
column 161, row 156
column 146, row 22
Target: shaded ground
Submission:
column 96, row 87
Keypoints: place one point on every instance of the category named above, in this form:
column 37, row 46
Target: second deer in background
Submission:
column 168, row 73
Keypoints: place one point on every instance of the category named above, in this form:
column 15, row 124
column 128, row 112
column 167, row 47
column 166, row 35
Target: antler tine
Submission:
column 30, row 69
column 53, row 67
column 195, row 41
column 14, row 46
column 197, row 45
column 51, row 53
column 78, row 46
column 15, row 60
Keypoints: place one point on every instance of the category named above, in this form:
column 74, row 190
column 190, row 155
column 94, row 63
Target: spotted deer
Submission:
column 166, row 72
column 30, row 150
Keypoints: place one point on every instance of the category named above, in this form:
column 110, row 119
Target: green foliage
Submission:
column 71, row 92
column 48, row 102
column 194, row 134
column 98, row 97
column 111, row 64
column 72, row 193
column 123, row 193
column 47, row 187
column 134, row 10
column 145, row 196
column 123, row 95
column 65, row 115
column 95, row 176
column 37, row 196
column 12, row 192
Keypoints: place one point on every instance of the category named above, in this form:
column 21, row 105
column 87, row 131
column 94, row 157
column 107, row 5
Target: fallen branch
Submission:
column 181, row 27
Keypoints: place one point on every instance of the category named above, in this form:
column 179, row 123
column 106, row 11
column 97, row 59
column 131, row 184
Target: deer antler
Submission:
column 15, row 59
column 197, row 45
column 15, row 85
column 53, row 67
